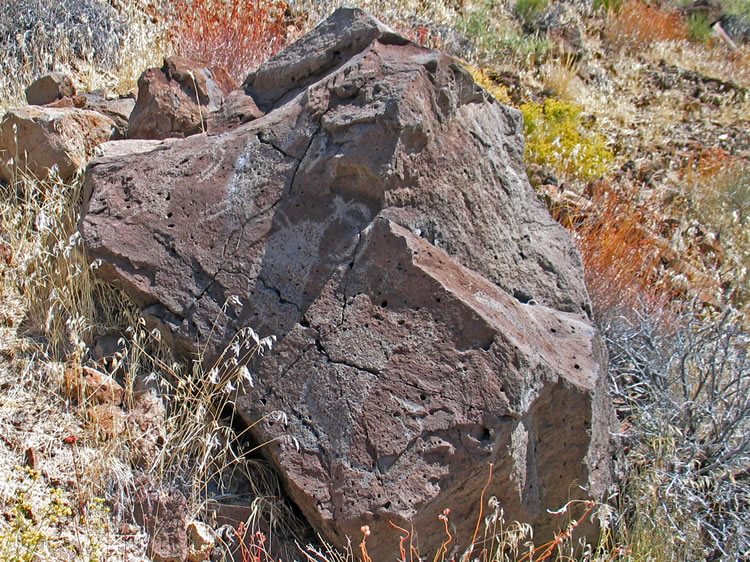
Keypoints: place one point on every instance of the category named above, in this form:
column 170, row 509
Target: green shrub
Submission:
column 556, row 137
column 493, row 36
column 528, row 10
column 478, row 26
column 700, row 27
column 736, row 7
column 608, row 5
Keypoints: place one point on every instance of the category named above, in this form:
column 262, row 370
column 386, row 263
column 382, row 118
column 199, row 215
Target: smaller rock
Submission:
column 106, row 349
column 31, row 458
column 89, row 384
column 175, row 100
column 543, row 20
column 50, row 87
column 117, row 109
column 569, row 42
column 164, row 516
column 238, row 108
column 102, row 387
column 36, row 139
column 121, row 148
column 109, row 421
column 75, row 101
column 147, row 421
column 201, row 541
column 210, row 82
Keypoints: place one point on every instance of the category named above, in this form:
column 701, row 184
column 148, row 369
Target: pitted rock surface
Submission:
column 431, row 316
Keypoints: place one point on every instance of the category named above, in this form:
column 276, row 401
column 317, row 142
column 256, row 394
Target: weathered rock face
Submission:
column 117, row 109
column 35, row 139
column 174, row 100
column 164, row 515
column 236, row 109
column 431, row 315
column 50, row 87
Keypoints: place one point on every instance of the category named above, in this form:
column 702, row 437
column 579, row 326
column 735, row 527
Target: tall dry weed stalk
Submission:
column 52, row 307
column 39, row 222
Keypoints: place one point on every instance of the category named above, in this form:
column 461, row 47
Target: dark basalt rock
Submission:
column 431, row 316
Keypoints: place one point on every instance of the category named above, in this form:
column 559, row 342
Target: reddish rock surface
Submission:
column 118, row 109
column 34, row 139
column 431, row 316
column 175, row 100
column 164, row 515
column 238, row 108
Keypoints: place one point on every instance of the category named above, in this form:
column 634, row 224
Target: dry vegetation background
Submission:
column 638, row 140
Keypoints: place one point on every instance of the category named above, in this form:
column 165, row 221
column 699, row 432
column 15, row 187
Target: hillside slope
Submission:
column 637, row 119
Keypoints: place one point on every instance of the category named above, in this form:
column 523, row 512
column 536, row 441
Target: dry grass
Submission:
column 49, row 312
column 54, row 308
column 39, row 36
column 404, row 12
column 146, row 43
column 621, row 263
column 100, row 46
column 560, row 80
column 717, row 191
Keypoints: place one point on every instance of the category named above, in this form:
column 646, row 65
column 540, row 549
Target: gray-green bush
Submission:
column 37, row 35
column 682, row 390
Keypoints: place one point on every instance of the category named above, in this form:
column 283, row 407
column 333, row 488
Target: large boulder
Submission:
column 173, row 101
column 36, row 139
column 431, row 316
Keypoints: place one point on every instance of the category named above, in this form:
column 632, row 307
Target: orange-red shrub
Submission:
column 421, row 35
column 235, row 34
column 639, row 24
column 621, row 258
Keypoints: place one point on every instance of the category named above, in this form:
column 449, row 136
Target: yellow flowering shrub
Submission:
column 499, row 91
column 557, row 138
